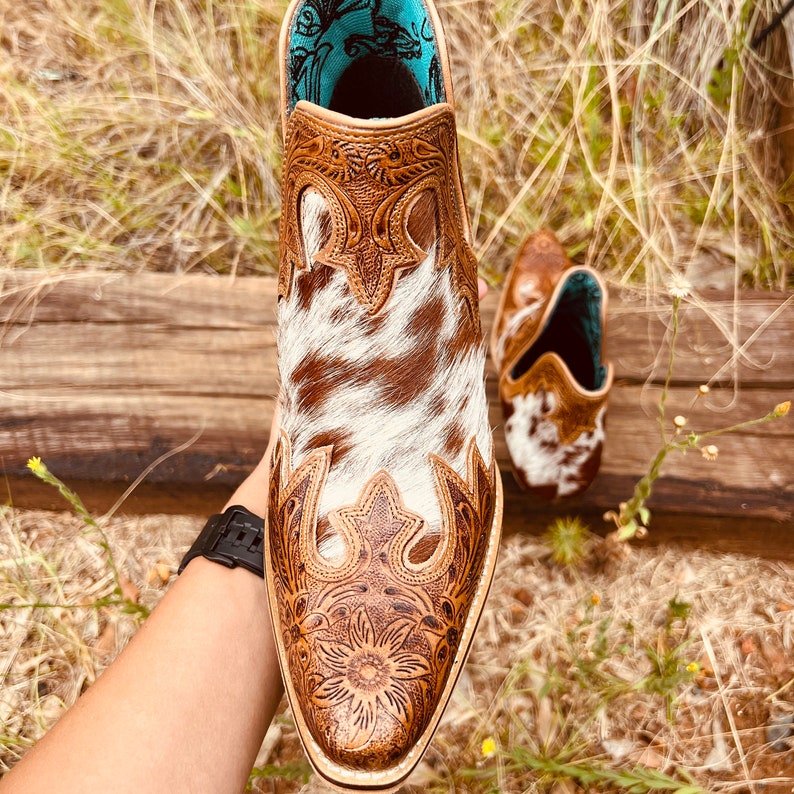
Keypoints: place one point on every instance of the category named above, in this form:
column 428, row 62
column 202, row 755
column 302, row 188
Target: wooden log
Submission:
column 103, row 374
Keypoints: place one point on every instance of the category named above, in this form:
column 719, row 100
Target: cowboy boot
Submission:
column 385, row 499
column 547, row 344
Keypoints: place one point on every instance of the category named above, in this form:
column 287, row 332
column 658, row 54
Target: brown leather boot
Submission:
column 385, row 499
column 547, row 344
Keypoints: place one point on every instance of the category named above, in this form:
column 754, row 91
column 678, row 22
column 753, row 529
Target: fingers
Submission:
column 253, row 491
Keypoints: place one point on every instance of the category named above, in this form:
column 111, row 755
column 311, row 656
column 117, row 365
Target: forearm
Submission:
column 185, row 706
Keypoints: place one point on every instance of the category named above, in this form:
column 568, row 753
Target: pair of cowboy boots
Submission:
column 385, row 501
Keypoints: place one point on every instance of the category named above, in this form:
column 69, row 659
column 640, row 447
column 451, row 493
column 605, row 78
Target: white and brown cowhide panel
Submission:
column 385, row 390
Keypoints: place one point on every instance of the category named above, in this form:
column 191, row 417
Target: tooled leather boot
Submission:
column 385, row 499
column 547, row 344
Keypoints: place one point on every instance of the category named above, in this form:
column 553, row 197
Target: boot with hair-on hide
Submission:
column 385, row 499
column 547, row 344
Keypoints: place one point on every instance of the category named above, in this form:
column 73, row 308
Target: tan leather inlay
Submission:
column 575, row 411
column 371, row 178
column 371, row 639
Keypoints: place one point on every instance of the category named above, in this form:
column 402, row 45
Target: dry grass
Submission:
column 579, row 675
column 607, row 122
column 563, row 668
column 145, row 135
column 60, row 621
column 139, row 135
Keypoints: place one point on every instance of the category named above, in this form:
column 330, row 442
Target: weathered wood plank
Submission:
column 719, row 342
column 138, row 426
column 90, row 356
column 713, row 339
column 102, row 374
column 188, row 301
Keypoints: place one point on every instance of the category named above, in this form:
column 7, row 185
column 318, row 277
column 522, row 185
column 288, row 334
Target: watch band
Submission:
column 232, row 538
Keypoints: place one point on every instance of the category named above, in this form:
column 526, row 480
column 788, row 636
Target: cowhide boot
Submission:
column 547, row 344
column 385, row 499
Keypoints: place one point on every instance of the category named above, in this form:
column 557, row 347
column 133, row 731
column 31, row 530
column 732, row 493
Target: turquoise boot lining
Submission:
column 327, row 36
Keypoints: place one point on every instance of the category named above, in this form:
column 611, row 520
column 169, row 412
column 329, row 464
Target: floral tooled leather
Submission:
column 371, row 180
column 575, row 411
column 381, row 541
column 528, row 288
column 371, row 638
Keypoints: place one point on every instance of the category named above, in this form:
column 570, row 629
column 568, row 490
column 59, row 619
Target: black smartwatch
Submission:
column 232, row 538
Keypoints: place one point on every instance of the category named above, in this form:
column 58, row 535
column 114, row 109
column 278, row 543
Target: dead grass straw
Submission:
column 564, row 667
column 145, row 135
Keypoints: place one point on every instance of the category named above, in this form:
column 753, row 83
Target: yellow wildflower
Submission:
column 710, row 452
column 693, row 667
column 595, row 599
column 782, row 409
column 488, row 747
column 35, row 464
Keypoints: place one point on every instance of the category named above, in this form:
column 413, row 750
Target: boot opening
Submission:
column 377, row 87
column 365, row 60
column 573, row 332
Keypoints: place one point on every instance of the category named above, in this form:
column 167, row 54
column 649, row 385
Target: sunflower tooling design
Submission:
column 367, row 647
